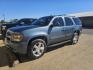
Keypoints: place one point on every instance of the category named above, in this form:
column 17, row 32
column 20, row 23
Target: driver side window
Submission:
column 58, row 22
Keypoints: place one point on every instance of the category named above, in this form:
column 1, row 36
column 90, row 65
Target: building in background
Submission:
column 86, row 18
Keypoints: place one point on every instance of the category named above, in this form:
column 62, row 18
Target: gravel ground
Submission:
column 63, row 57
column 87, row 31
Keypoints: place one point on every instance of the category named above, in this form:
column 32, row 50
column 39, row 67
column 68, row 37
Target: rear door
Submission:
column 77, row 23
column 69, row 28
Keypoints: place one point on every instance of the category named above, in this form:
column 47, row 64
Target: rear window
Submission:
column 77, row 21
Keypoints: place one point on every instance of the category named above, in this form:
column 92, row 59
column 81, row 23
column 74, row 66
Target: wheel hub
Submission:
column 38, row 49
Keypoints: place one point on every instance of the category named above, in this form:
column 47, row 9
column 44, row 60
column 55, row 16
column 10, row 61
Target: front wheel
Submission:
column 75, row 38
column 36, row 48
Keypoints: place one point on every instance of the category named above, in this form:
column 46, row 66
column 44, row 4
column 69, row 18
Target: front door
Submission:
column 57, row 33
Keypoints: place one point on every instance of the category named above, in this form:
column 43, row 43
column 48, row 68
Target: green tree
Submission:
column 2, row 22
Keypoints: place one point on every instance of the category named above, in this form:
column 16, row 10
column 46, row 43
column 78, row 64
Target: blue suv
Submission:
column 45, row 32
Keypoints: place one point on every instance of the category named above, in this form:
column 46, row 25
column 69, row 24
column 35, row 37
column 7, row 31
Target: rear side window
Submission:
column 68, row 21
column 58, row 21
column 77, row 21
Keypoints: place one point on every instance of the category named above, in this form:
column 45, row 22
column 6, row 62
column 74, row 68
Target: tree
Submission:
column 14, row 20
column 2, row 21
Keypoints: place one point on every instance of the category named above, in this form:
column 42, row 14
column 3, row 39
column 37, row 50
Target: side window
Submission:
column 58, row 22
column 77, row 21
column 68, row 21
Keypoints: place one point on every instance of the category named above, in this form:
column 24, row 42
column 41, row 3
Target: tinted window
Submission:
column 68, row 21
column 58, row 21
column 77, row 21
column 26, row 21
column 44, row 21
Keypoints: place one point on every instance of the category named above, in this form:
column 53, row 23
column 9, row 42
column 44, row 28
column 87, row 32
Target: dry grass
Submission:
column 2, row 43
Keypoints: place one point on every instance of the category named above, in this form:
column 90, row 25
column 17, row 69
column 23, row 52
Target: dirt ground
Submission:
column 62, row 57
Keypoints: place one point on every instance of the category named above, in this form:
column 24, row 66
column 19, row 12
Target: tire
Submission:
column 36, row 48
column 19, row 57
column 75, row 38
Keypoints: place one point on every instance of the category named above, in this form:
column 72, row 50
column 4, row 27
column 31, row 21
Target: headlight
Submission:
column 17, row 37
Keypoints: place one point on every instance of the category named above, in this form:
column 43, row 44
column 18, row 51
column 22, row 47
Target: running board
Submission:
column 59, row 43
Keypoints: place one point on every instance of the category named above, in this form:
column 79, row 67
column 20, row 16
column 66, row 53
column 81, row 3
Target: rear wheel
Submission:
column 75, row 38
column 36, row 48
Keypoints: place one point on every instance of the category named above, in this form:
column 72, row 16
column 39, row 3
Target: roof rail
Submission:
column 63, row 15
column 59, row 15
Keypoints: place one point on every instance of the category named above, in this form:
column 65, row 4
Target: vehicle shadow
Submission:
column 7, row 58
column 57, row 47
column 49, row 49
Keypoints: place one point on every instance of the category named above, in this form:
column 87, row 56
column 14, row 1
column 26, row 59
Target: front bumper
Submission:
column 20, row 48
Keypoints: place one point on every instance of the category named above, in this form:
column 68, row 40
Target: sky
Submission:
column 13, row 9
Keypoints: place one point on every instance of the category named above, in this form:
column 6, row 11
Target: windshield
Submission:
column 44, row 21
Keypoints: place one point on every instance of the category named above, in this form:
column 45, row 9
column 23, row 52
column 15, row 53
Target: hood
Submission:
column 22, row 28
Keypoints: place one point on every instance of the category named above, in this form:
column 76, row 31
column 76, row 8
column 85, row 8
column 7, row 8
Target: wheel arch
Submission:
column 77, row 31
column 38, row 37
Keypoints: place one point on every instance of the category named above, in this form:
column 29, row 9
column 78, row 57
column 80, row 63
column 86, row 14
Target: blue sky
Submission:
column 38, row 8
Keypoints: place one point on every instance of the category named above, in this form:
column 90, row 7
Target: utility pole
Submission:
column 3, row 18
